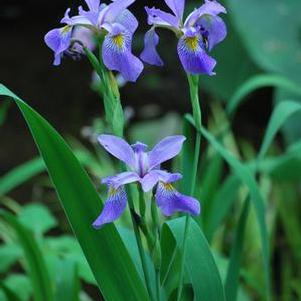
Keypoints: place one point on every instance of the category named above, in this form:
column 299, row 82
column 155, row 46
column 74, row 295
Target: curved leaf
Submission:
column 40, row 279
column 107, row 256
column 257, row 82
column 205, row 277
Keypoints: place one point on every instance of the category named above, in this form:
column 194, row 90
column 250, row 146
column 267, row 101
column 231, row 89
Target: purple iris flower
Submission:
column 198, row 34
column 113, row 21
column 145, row 169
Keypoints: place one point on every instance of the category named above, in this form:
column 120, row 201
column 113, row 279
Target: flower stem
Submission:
column 140, row 248
column 197, row 115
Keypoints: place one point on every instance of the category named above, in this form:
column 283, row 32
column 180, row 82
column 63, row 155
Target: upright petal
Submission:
column 154, row 176
column 149, row 53
column 121, row 179
column 58, row 40
column 213, row 29
column 117, row 55
column 212, row 8
column 119, row 148
column 193, row 56
column 166, row 149
column 114, row 9
column 128, row 20
column 177, row 6
column 158, row 17
column 171, row 201
column 113, row 207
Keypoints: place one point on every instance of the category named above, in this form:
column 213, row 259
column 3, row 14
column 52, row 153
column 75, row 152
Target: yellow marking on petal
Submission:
column 168, row 186
column 119, row 40
column 192, row 43
column 66, row 29
column 112, row 191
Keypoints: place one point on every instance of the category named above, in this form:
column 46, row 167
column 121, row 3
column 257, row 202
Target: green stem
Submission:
column 197, row 115
column 141, row 249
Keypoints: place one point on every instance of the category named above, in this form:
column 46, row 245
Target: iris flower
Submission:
column 197, row 35
column 113, row 21
column 145, row 169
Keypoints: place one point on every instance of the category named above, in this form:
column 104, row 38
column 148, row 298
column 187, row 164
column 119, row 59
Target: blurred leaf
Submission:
column 187, row 294
column 40, row 280
column 246, row 177
column 150, row 132
column 257, row 82
column 38, row 218
column 205, row 278
column 20, row 284
column 10, row 294
column 67, row 281
column 281, row 114
column 9, row 254
column 270, row 30
column 103, row 249
column 232, row 278
column 221, row 204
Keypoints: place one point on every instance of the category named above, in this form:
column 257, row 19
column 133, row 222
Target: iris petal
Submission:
column 193, row 57
column 113, row 207
column 166, row 149
column 171, row 201
column 149, row 53
column 117, row 55
column 160, row 18
column 177, row 6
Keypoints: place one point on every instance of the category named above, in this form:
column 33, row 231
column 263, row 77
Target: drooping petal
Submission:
column 117, row 55
column 113, row 207
column 149, row 53
column 177, row 6
column 160, row 18
column 156, row 175
column 166, row 149
column 193, row 57
column 212, row 8
column 119, row 148
column 213, row 29
column 121, row 179
column 113, row 10
column 128, row 20
column 171, row 201
column 58, row 40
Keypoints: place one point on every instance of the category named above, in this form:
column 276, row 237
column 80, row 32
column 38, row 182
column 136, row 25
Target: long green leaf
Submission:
column 106, row 254
column 281, row 114
column 232, row 280
column 199, row 260
column 257, row 82
column 42, row 289
column 246, row 177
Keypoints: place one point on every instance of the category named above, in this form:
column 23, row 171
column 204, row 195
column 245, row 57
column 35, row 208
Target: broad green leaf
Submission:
column 42, row 289
column 20, row 284
column 37, row 218
column 270, row 30
column 10, row 294
column 200, row 264
column 107, row 256
column 9, row 254
column 246, row 177
column 257, row 82
column 67, row 281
